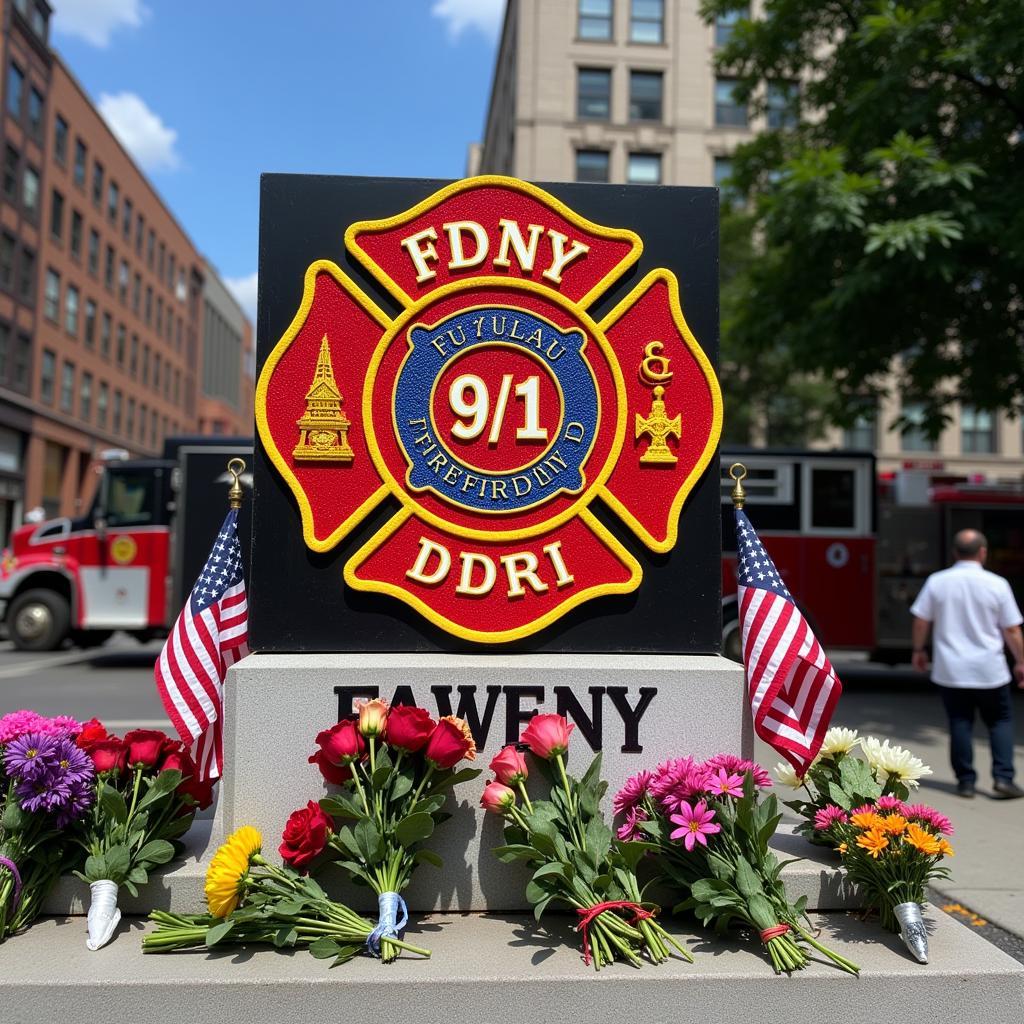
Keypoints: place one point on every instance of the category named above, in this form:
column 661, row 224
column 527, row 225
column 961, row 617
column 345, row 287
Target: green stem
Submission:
column 522, row 792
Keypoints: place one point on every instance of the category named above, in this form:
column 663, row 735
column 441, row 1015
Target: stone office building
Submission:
column 226, row 395
column 101, row 290
column 625, row 91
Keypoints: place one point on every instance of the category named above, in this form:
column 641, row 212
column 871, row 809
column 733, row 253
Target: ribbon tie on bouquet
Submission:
column 388, row 925
column 587, row 915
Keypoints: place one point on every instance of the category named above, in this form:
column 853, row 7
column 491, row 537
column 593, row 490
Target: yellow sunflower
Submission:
column 874, row 841
column 867, row 820
column 922, row 840
column 229, row 868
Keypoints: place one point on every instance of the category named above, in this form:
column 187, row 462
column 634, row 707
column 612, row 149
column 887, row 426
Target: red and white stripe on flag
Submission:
column 792, row 686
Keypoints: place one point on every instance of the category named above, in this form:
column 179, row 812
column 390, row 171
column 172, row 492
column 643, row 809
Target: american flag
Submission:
column 209, row 636
column 792, row 685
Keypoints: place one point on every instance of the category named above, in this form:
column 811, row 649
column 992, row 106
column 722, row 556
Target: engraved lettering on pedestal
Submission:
column 323, row 430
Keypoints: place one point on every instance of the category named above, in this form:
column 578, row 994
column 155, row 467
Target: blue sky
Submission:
column 208, row 94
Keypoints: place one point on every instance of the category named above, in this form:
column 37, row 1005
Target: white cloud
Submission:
column 483, row 15
column 244, row 289
column 141, row 131
column 95, row 21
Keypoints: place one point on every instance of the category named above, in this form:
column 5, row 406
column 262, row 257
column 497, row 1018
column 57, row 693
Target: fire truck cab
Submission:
column 122, row 565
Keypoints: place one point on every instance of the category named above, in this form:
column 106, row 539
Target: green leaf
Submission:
column 345, row 838
column 118, row 863
column 462, row 775
column 369, row 841
column 541, row 905
column 341, row 805
column 413, row 828
column 515, row 851
column 555, row 868
column 14, row 818
column 535, row 892
column 95, row 867
column 138, row 875
column 593, row 774
column 216, row 933
column 112, row 803
column 402, row 785
column 286, row 935
column 325, row 948
column 747, row 881
column 599, row 840
column 157, row 851
column 839, row 796
column 380, row 776
column 160, row 787
column 428, row 857
column 633, row 852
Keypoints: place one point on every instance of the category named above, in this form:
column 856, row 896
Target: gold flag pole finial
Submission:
column 738, row 472
column 236, row 467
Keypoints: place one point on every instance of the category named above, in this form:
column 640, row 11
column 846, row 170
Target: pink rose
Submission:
column 497, row 798
column 547, row 736
column 510, row 766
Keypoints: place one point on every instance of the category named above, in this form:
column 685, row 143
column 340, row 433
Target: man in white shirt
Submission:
column 972, row 613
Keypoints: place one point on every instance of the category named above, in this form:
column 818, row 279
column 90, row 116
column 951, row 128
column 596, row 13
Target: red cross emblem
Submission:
column 492, row 412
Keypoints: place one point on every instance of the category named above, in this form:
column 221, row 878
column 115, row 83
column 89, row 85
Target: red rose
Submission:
column 109, row 755
column 449, row 743
column 178, row 761
column 305, row 835
column 144, row 747
column 332, row 773
column 342, row 744
column 408, row 728
column 200, row 792
column 92, row 732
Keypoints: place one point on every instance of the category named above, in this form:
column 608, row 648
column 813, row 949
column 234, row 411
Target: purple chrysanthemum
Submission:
column 74, row 765
column 80, row 799
column 28, row 757
column 632, row 792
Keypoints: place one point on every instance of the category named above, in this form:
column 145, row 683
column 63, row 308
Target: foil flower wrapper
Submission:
column 912, row 930
column 103, row 914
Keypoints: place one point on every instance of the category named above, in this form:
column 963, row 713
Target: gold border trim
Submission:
column 263, row 385
column 672, row 535
column 492, row 181
column 483, row 636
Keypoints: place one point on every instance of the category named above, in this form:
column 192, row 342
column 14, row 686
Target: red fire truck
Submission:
column 126, row 564
column 855, row 549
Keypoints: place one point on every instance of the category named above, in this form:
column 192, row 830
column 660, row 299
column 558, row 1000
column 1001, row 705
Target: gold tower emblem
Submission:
column 323, row 430
column 654, row 370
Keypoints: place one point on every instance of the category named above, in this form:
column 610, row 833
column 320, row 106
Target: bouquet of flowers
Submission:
column 710, row 825
column 252, row 901
column 147, row 793
column 46, row 785
column 839, row 777
column 576, row 858
column 393, row 767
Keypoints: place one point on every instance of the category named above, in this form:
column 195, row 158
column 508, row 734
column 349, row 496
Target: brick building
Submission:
column 101, row 290
column 626, row 91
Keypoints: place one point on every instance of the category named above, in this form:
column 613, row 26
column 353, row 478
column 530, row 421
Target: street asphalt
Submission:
column 986, row 888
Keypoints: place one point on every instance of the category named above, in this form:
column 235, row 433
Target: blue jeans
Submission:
column 996, row 709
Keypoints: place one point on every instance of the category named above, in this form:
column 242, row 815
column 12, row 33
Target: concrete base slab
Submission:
column 493, row 968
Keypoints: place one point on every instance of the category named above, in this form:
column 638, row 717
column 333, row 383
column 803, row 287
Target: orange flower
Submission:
column 894, row 824
column 843, row 847
column 922, row 840
column 945, row 849
column 874, row 841
column 867, row 820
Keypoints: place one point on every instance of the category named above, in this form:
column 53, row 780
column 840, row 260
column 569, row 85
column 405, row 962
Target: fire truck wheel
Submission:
column 89, row 638
column 38, row 620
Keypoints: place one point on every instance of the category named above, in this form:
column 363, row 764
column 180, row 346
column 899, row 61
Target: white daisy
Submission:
column 839, row 741
column 890, row 761
column 786, row 774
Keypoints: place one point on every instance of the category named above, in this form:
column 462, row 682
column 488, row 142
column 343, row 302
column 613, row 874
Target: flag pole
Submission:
column 236, row 467
column 738, row 472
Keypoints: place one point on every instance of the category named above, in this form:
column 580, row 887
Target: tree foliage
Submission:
column 885, row 230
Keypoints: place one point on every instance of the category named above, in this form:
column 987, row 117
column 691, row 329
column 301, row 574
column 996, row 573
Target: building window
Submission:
column 122, row 336
column 81, row 154
column 977, row 430
column 149, row 304
column 645, row 88
column 728, row 110
column 145, row 366
column 113, row 202
column 644, row 169
column 51, row 296
column 126, row 220
column 117, row 413
column 71, row 310
column 85, row 396
column 140, row 230
column 97, row 183
column 725, row 24
column 90, row 323
column 5, row 345
column 67, row 387
column 94, row 252
column 56, row 215
column 160, row 262
column 60, row 140
column 102, row 399
column 170, row 273
column 35, row 112
column 47, row 376
column 595, row 19
column 150, row 248
column 129, row 428
column 159, row 315
column 106, row 329
column 8, row 247
column 76, row 234
column 39, row 22
column 593, row 94
column 30, row 190
column 862, row 435
column 592, row 165
column 27, row 284
column 143, row 418
column 122, row 281
column 723, row 172
column 781, row 101
column 22, row 357
column 15, row 88
column 914, row 437
column 11, row 161
column 136, row 293
column 646, row 21
column 134, row 365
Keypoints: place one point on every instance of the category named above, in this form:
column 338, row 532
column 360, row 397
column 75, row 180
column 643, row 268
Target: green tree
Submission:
column 885, row 229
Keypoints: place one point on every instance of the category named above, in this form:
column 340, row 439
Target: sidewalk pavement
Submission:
column 987, row 873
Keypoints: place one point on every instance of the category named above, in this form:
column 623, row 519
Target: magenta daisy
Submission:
column 678, row 780
column 929, row 816
column 740, row 766
column 695, row 824
column 632, row 792
column 630, row 829
column 891, row 805
column 828, row 816
column 721, row 783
